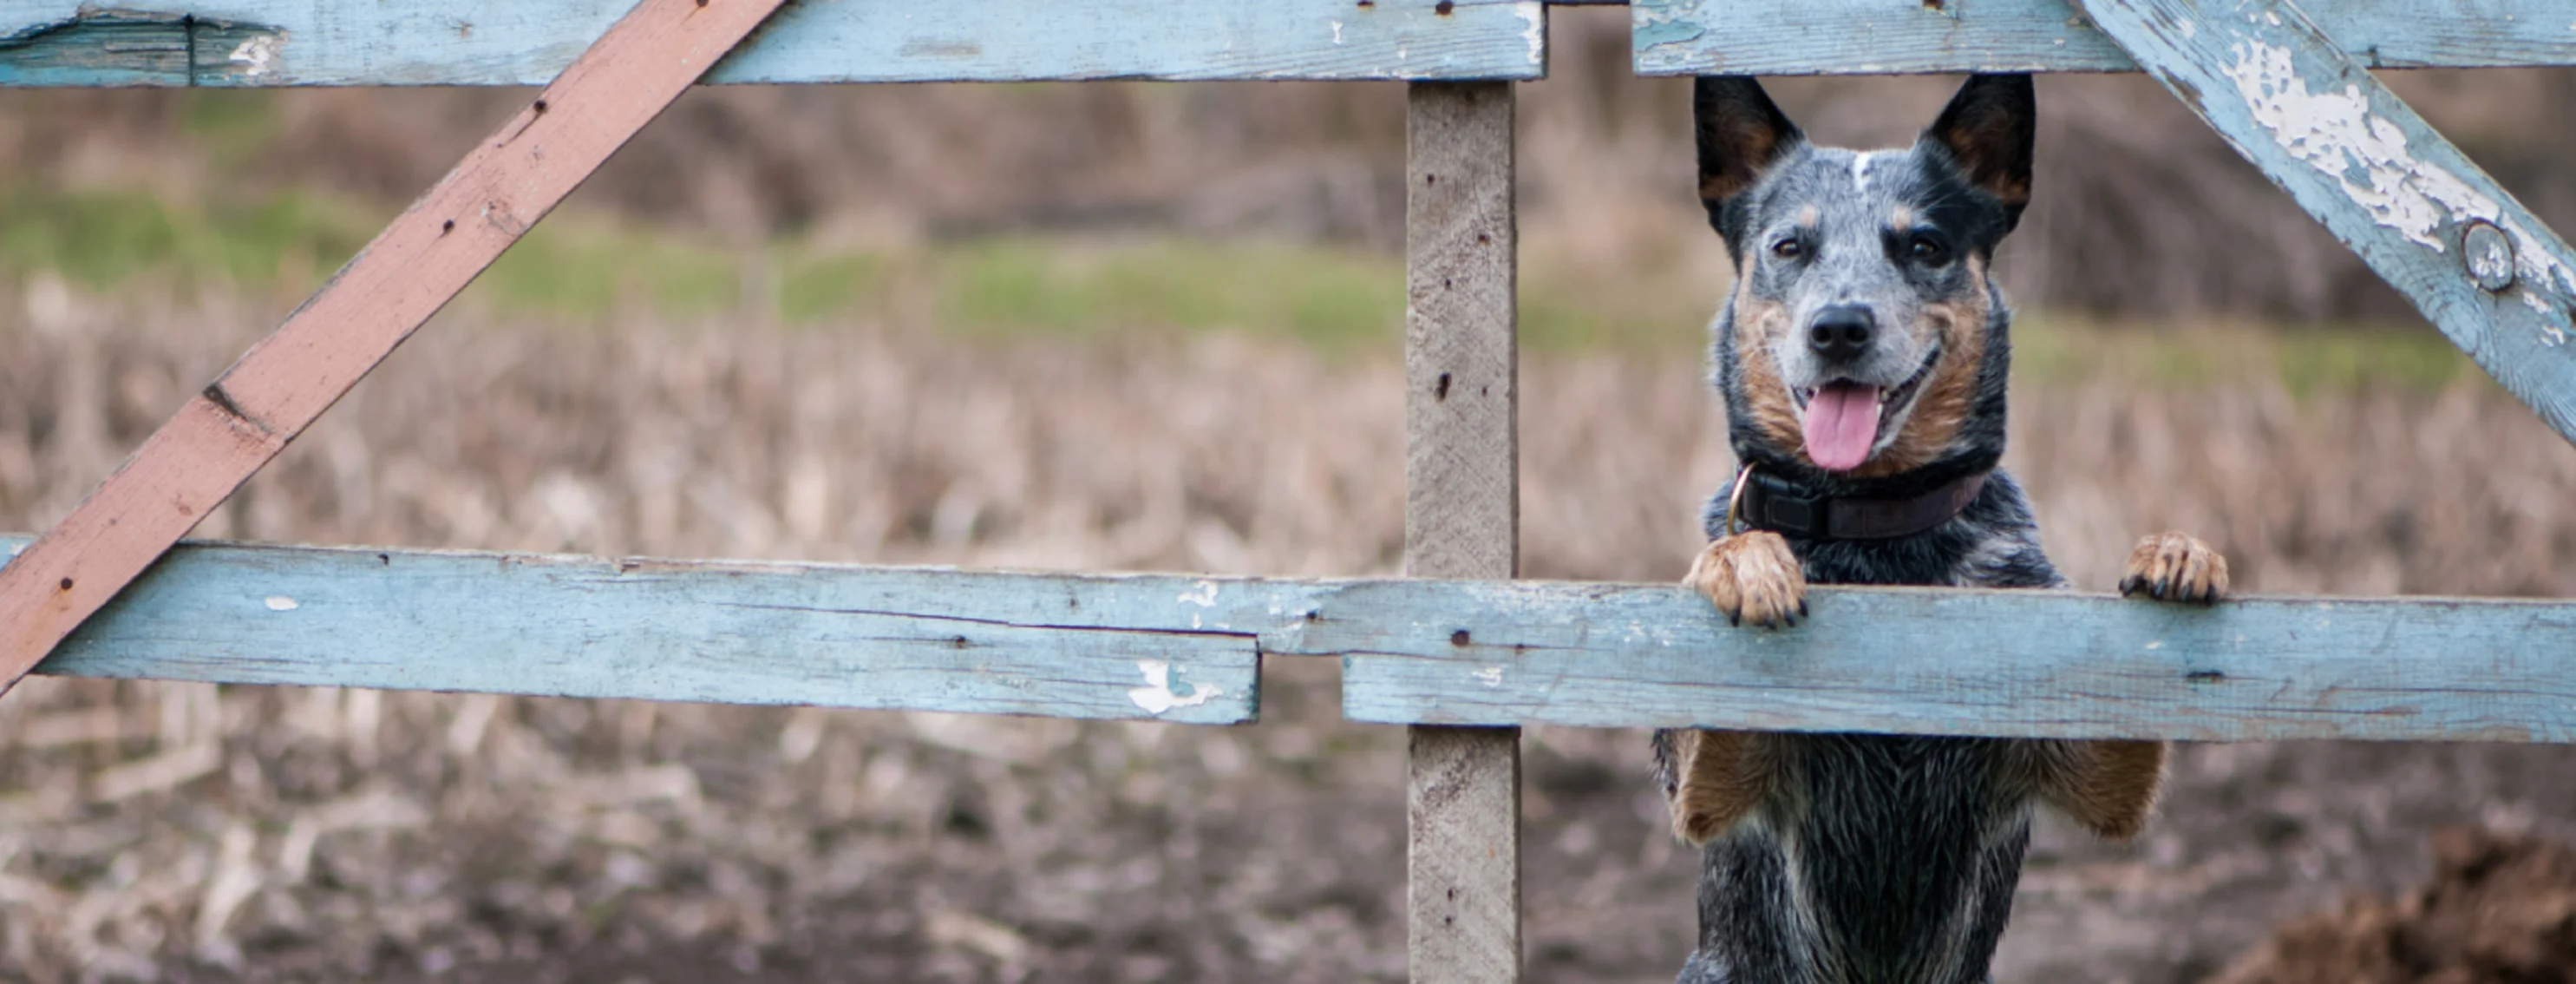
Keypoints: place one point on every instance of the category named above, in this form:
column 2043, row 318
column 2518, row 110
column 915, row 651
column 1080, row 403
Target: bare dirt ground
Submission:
column 181, row 833
column 2498, row 909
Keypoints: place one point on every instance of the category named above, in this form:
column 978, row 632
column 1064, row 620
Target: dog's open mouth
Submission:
column 1843, row 420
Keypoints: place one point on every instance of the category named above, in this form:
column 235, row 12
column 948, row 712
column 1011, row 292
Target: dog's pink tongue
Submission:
column 1842, row 422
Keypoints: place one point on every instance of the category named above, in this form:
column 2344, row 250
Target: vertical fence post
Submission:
column 1462, row 511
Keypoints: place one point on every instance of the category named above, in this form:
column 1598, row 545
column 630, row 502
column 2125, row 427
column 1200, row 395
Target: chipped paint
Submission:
column 2367, row 154
column 2490, row 257
column 1204, row 597
column 1658, row 25
column 257, row 54
column 1491, row 676
column 282, row 603
column 1156, row 696
column 2189, row 29
column 1337, row 33
column 1534, row 29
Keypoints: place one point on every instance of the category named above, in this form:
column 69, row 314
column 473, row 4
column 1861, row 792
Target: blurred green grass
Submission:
column 583, row 268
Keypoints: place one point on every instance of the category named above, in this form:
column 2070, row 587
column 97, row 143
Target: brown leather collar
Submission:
column 1776, row 505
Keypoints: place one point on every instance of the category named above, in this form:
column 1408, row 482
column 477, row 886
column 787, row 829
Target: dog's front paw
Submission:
column 1752, row 577
column 2175, row 567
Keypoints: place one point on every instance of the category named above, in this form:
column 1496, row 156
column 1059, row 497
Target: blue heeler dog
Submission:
column 1863, row 360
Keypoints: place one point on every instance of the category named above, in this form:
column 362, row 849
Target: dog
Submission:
column 1862, row 358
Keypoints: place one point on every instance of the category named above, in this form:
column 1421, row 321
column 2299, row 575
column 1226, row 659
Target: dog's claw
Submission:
column 2175, row 567
column 1752, row 577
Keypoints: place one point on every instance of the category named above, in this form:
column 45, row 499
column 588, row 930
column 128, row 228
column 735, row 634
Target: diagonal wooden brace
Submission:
column 2491, row 276
column 411, row 270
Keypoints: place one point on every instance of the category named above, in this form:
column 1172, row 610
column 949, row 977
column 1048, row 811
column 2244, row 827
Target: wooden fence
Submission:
column 1458, row 650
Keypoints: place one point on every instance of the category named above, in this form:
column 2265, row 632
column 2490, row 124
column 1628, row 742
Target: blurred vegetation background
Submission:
column 1128, row 325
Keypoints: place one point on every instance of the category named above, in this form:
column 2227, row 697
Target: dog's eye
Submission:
column 1928, row 250
column 1788, row 249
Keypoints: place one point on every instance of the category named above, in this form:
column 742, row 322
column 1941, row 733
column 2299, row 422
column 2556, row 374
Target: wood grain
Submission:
column 891, row 639
column 514, row 42
column 2482, row 268
column 1912, row 660
column 413, row 268
column 1873, row 37
column 1462, row 510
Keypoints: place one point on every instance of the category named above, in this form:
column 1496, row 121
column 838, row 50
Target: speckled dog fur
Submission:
column 1872, row 858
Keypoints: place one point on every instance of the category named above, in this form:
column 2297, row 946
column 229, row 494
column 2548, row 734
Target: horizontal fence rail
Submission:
column 1882, row 37
column 518, row 42
column 1181, row 648
column 861, row 637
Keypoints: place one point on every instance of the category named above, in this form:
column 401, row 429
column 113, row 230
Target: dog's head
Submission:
column 1863, row 338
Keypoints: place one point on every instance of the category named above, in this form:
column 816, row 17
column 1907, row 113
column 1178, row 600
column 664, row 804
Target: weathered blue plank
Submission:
column 2488, row 273
column 746, row 634
column 1415, row 651
column 2012, row 663
column 513, row 42
column 1845, row 37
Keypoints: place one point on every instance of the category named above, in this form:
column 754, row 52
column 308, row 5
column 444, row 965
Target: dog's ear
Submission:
column 1741, row 132
column 1989, row 129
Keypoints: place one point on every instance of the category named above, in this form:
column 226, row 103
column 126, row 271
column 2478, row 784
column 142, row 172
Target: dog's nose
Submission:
column 1840, row 333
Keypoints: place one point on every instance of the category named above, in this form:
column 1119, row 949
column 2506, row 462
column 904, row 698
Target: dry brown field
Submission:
column 189, row 833
column 817, row 351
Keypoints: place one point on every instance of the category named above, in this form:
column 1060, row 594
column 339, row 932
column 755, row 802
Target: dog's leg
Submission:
column 1712, row 779
column 2110, row 786
column 1752, row 577
column 2175, row 567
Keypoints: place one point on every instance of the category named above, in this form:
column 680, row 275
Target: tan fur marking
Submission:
column 1902, row 218
column 1758, row 323
column 1950, row 395
column 2107, row 786
column 1752, row 577
column 1808, row 216
column 1724, row 776
column 2173, row 566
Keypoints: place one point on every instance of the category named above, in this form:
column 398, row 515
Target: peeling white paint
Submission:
column 2272, row 18
column 2492, row 264
column 1156, row 696
column 2189, row 29
column 2367, row 155
column 1204, row 597
column 1337, row 32
column 258, row 54
column 1533, row 29
column 1491, row 676
column 282, row 603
